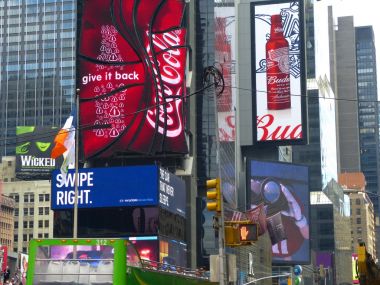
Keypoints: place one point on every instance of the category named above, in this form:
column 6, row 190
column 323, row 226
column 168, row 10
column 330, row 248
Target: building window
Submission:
column 39, row 235
column 325, row 215
column 26, row 211
column 31, row 224
column 358, row 211
column 46, row 224
column 47, row 197
column 31, row 199
column 16, row 225
column 15, row 238
column 25, row 225
column 46, row 235
column 25, row 237
column 326, row 244
column 40, row 224
column 357, row 201
column 358, row 221
column 47, row 210
column 40, row 211
column 24, row 249
column 40, row 197
column 17, row 198
column 31, row 211
column 325, row 228
column 26, row 198
column 16, row 212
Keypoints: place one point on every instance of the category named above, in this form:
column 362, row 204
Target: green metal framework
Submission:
column 117, row 262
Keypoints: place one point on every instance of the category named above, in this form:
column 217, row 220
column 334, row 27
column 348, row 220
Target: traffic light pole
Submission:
column 211, row 73
column 222, row 254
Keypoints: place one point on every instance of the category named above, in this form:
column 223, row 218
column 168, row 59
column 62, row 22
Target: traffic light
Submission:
column 213, row 194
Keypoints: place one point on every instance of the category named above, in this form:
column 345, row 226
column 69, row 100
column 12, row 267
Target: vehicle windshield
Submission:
column 60, row 264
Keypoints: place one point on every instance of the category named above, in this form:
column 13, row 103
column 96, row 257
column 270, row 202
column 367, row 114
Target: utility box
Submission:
column 215, row 266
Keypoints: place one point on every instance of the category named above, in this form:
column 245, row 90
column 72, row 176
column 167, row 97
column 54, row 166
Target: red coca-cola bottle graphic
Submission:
column 278, row 76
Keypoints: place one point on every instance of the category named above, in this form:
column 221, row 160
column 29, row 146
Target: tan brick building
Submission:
column 362, row 211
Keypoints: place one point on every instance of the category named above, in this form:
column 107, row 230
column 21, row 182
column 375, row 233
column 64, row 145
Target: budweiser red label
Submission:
column 278, row 76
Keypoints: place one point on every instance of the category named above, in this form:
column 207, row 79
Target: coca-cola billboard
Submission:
column 131, row 77
column 278, row 67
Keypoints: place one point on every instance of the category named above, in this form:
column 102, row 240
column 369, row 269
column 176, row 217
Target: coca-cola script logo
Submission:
column 168, row 74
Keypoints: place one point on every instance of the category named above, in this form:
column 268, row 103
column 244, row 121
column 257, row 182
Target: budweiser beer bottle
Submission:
column 277, row 57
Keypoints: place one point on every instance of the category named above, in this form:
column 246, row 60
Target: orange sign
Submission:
column 248, row 232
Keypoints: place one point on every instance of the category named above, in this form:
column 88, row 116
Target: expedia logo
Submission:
column 31, row 161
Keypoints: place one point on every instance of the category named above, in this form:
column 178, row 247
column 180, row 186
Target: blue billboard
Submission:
column 130, row 186
column 172, row 194
column 106, row 187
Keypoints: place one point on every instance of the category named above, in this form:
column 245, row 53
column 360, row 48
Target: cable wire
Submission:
column 48, row 134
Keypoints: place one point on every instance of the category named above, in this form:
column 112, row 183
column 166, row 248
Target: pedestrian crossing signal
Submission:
column 248, row 233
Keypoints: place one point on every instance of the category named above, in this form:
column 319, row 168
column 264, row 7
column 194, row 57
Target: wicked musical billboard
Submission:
column 33, row 148
column 131, row 77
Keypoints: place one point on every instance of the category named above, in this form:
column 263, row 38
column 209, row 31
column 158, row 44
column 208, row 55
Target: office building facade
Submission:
column 361, row 211
column 37, row 56
column 346, row 83
column 368, row 109
column 358, row 108
column 31, row 214
column 7, row 208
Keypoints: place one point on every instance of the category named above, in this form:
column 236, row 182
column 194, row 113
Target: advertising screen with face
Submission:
column 278, row 68
column 279, row 200
column 131, row 77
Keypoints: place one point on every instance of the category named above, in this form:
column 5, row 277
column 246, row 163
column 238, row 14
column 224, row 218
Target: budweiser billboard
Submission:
column 131, row 77
column 278, row 67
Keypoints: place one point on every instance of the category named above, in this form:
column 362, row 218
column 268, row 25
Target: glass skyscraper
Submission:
column 368, row 109
column 206, row 136
column 37, row 56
